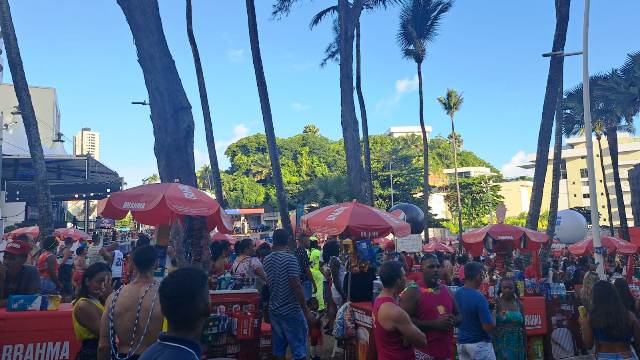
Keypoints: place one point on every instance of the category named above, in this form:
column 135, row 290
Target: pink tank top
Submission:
column 431, row 306
column 388, row 343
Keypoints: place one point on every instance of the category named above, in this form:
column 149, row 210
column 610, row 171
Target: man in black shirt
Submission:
column 306, row 279
column 16, row 278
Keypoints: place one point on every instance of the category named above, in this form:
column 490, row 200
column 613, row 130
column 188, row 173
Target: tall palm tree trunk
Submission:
column 555, row 173
column 612, row 139
column 215, row 181
column 363, row 116
column 606, row 188
column 347, row 15
column 170, row 109
column 21, row 88
column 455, row 165
column 425, row 158
column 267, row 118
column 554, row 78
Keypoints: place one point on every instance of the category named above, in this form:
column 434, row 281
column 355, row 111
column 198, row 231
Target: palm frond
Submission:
column 282, row 8
column 419, row 23
column 317, row 18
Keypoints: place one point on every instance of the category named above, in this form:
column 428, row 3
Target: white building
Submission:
column 468, row 172
column 397, row 131
column 45, row 105
column 87, row 142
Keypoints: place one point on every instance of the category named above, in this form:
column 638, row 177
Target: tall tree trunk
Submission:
column 425, row 158
column 170, row 109
column 454, row 144
column 21, row 88
column 265, row 106
column 612, row 139
column 363, row 116
column 554, row 78
column 555, row 174
column 215, row 180
column 347, row 15
column 606, row 188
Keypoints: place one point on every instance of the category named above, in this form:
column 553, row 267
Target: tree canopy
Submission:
column 313, row 168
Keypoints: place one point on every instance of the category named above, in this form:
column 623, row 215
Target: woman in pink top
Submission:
column 392, row 326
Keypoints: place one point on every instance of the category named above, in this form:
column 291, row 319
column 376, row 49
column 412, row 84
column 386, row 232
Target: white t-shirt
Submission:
column 116, row 265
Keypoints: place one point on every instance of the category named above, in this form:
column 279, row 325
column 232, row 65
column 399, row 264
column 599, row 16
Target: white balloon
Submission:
column 571, row 227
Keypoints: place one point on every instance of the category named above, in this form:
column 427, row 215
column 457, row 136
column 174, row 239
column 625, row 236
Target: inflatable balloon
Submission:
column 571, row 227
column 411, row 214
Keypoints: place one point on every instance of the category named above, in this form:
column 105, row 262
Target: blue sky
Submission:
column 489, row 50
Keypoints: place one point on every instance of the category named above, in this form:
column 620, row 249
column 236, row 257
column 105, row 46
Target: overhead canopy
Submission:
column 70, row 178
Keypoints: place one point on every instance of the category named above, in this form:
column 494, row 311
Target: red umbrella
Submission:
column 218, row 236
column 612, row 244
column 75, row 234
column 522, row 238
column 31, row 231
column 159, row 204
column 436, row 247
column 356, row 220
column 34, row 232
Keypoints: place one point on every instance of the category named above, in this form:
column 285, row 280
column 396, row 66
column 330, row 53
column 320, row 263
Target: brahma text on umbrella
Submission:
column 133, row 205
column 186, row 192
column 334, row 215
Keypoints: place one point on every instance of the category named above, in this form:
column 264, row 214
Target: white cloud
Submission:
column 298, row 106
column 512, row 168
column 235, row 55
column 403, row 86
column 406, row 85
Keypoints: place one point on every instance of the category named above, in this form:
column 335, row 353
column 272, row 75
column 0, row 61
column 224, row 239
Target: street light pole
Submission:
column 586, row 103
column 391, row 179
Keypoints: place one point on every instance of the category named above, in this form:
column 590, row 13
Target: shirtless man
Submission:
column 133, row 313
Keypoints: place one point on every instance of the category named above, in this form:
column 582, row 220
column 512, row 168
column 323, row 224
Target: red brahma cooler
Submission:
column 38, row 335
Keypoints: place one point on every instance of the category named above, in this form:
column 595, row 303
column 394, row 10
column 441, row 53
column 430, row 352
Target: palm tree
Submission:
column 573, row 125
column 348, row 15
column 153, row 179
column 204, row 177
column 555, row 180
column 170, row 109
column 451, row 104
column 265, row 106
column 419, row 23
column 21, row 88
column 331, row 53
column 215, row 181
column 554, row 77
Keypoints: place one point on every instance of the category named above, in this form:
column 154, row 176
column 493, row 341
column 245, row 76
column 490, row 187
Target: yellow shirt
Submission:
column 82, row 333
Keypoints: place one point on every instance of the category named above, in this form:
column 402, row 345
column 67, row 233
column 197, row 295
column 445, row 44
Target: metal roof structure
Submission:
column 70, row 178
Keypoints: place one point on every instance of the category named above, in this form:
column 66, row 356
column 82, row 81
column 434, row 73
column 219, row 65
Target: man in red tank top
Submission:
column 392, row 327
column 432, row 308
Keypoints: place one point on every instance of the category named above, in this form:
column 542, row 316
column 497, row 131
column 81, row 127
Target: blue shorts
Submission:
column 289, row 331
column 307, row 290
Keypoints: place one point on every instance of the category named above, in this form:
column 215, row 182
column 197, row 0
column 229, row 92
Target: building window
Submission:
column 574, row 195
column 585, row 183
column 585, row 196
column 584, row 173
column 563, row 170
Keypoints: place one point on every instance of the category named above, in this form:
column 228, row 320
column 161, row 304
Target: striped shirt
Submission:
column 280, row 267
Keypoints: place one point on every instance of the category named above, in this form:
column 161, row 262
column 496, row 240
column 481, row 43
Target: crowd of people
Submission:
column 121, row 311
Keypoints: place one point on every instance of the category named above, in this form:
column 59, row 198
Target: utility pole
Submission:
column 588, row 131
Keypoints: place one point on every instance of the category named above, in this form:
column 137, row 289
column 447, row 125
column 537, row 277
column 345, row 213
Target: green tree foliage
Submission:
column 127, row 222
column 313, row 169
column 479, row 198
